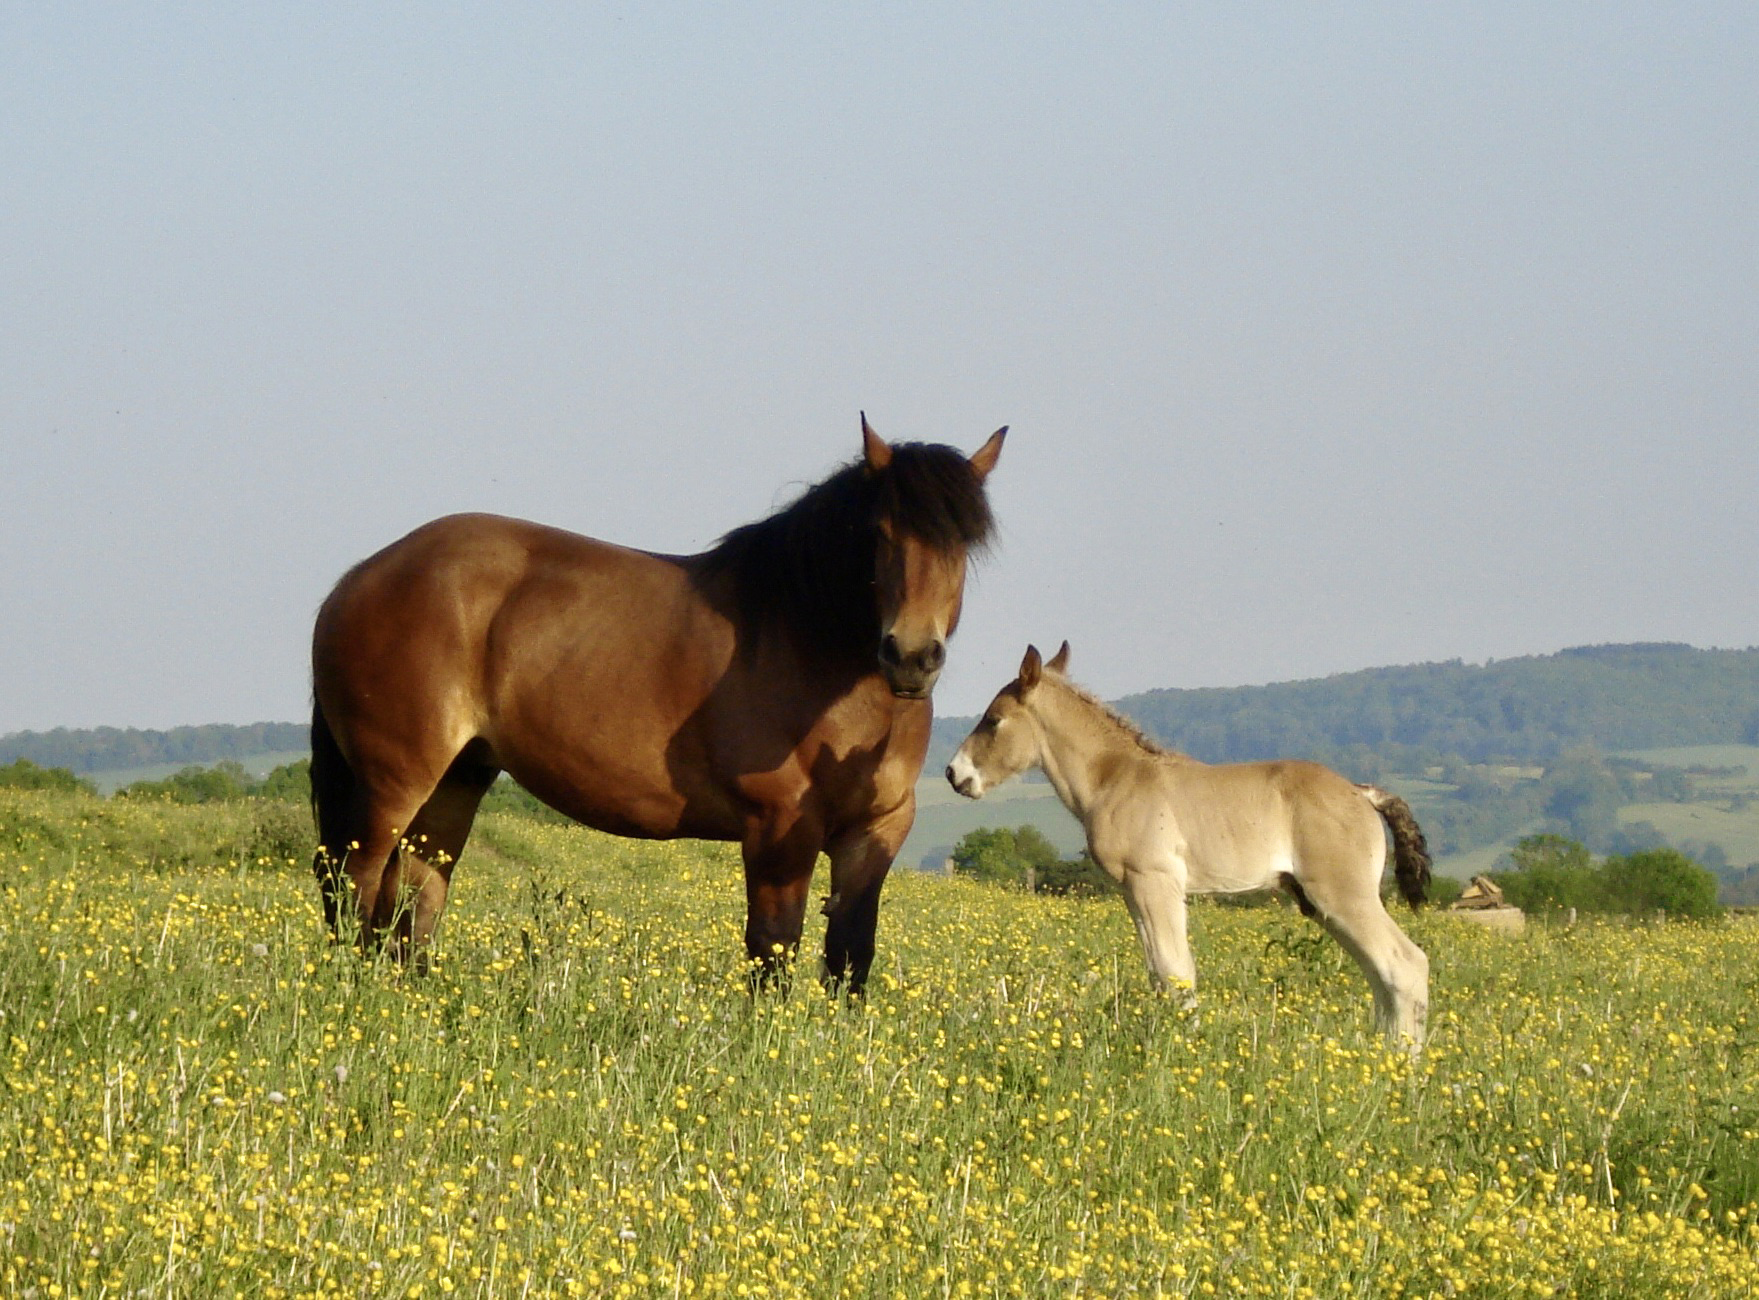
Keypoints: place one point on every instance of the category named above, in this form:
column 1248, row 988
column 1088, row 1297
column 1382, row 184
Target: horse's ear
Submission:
column 1031, row 668
column 874, row 449
column 983, row 460
column 1060, row 660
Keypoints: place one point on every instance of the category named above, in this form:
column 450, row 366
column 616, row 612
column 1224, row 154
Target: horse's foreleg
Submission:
column 778, row 877
column 1156, row 898
column 859, row 862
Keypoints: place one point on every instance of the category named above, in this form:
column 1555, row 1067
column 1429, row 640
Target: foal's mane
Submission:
column 811, row 564
column 1129, row 729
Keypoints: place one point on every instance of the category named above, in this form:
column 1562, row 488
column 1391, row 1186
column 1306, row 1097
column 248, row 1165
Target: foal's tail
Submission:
column 332, row 792
column 1410, row 849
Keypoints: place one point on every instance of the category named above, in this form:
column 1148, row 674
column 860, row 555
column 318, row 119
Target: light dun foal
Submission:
column 1164, row 826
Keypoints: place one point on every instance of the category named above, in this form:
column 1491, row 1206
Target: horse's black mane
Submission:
column 811, row 564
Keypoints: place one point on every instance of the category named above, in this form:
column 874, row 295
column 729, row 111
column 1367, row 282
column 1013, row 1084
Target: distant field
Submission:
column 1736, row 832
column 1726, row 811
column 257, row 765
column 943, row 818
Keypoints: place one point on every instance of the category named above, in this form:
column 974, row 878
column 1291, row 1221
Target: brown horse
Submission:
column 773, row 690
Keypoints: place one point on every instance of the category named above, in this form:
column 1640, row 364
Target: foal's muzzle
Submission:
column 962, row 776
column 911, row 673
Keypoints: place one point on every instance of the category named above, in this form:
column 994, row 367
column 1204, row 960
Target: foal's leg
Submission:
column 1397, row 969
column 860, row 860
column 1156, row 898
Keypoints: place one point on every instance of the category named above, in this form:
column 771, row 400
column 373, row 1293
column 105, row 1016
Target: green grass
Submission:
column 199, row 1096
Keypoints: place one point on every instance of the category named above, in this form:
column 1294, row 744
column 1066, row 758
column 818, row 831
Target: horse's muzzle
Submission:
column 911, row 673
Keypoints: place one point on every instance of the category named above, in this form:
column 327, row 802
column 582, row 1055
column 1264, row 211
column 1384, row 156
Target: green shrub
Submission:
column 22, row 774
column 1659, row 880
column 195, row 784
column 291, row 782
column 1003, row 856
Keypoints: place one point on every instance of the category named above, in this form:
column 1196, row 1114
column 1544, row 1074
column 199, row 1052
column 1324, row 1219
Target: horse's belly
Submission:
column 1237, row 876
column 1236, row 862
column 622, row 800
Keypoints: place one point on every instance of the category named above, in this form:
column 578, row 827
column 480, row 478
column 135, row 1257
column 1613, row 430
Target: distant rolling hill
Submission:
column 115, row 749
column 1526, row 710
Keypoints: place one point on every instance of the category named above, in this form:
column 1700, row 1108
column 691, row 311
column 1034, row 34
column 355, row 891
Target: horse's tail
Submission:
column 1410, row 849
column 332, row 793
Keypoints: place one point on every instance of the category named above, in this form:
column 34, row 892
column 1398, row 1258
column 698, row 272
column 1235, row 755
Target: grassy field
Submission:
column 199, row 1096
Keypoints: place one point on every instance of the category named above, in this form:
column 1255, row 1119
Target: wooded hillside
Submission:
column 1526, row 710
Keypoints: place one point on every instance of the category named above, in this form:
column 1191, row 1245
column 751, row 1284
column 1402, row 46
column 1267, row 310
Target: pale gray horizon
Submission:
column 1328, row 338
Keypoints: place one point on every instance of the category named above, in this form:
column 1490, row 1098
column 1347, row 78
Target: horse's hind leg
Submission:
column 370, row 850
column 369, row 858
column 1397, row 969
column 429, row 850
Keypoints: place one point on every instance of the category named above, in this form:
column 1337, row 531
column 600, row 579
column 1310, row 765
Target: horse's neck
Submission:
column 1076, row 737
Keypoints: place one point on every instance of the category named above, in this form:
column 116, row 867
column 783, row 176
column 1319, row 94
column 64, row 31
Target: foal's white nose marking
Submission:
column 962, row 776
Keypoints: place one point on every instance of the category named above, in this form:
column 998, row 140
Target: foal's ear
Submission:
column 983, row 460
column 874, row 449
column 1031, row 668
column 1060, row 660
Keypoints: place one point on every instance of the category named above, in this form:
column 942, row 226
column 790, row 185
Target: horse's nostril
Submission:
column 951, row 779
column 934, row 656
column 889, row 653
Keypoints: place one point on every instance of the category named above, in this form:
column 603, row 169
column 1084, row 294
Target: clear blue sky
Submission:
column 1330, row 336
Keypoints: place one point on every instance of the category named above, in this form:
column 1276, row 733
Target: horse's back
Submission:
column 473, row 623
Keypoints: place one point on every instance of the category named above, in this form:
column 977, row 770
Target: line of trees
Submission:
column 112, row 749
column 226, row 781
column 1530, row 710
